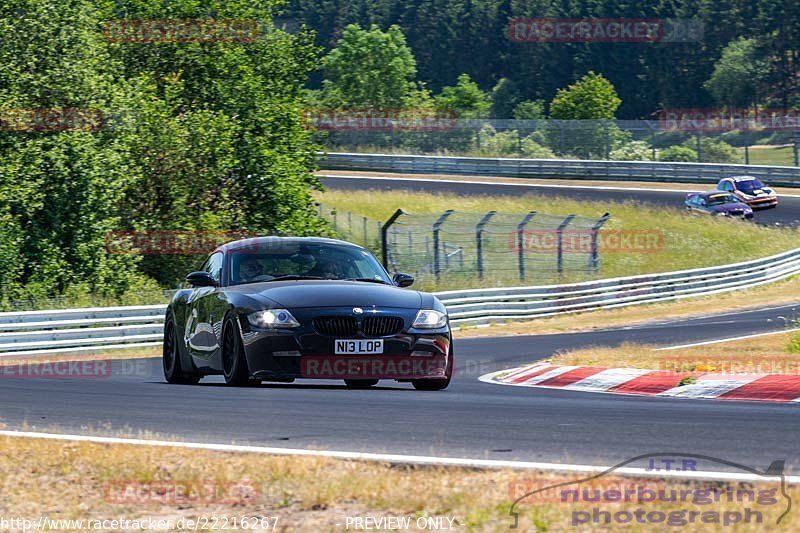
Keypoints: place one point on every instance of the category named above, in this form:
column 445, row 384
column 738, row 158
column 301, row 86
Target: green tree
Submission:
column 195, row 136
column 738, row 75
column 369, row 69
column 465, row 98
column 591, row 97
column 529, row 110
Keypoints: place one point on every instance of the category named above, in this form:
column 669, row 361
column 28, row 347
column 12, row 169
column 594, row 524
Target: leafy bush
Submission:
column 717, row 151
column 678, row 153
column 534, row 150
column 632, row 151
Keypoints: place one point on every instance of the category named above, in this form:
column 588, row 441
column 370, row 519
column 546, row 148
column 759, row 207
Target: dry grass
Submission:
column 86, row 481
column 127, row 353
column 769, row 354
column 780, row 293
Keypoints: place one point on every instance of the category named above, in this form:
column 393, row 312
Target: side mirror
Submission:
column 201, row 279
column 403, row 280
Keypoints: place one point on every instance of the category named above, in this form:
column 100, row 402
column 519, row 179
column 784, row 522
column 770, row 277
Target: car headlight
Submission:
column 429, row 319
column 272, row 318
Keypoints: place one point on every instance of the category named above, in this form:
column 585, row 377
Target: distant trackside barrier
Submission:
column 558, row 168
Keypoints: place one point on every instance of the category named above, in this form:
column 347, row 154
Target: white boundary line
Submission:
column 540, row 185
column 398, row 459
column 717, row 341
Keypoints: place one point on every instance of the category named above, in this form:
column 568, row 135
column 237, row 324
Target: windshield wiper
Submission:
column 293, row 277
column 370, row 280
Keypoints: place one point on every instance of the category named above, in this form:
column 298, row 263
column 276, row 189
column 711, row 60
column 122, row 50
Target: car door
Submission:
column 202, row 337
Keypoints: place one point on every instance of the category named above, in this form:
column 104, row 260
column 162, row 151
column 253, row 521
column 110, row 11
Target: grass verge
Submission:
column 767, row 354
column 684, row 241
column 69, row 480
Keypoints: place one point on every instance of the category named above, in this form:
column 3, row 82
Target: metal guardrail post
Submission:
column 521, row 242
column 560, row 237
column 594, row 255
column 479, row 241
column 436, row 226
column 384, row 241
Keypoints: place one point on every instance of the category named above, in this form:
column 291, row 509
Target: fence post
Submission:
column 436, row 226
column 366, row 240
column 594, row 257
column 521, row 242
column 384, row 230
column 559, row 235
column 479, row 241
column 699, row 149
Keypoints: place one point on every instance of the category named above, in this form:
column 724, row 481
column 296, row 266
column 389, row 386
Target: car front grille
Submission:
column 347, row 326
column 379, row 326
column 336, row 326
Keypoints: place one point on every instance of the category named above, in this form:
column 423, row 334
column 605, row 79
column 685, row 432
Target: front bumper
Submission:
column 761, row 203
column 302, row 353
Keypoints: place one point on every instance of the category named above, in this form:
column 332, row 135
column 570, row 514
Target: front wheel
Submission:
column 437, row 384
column 234, row 363
column 171, row 357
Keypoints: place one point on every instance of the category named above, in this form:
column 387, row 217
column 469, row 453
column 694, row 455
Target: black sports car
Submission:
column 281, row 308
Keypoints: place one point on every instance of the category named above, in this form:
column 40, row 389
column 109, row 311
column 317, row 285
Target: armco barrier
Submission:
column 558, row 168
column 83, row 330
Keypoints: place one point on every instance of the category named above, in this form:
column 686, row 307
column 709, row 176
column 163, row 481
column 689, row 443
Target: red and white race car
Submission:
column 750, row 190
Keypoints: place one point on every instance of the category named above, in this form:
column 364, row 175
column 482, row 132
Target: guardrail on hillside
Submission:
column 83, row 330
column 558, row 168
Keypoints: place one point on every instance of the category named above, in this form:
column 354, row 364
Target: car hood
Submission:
column 756, row 193
column 308, row 293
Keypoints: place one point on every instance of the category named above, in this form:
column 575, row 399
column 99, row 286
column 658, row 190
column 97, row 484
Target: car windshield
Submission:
column 275, row 261
column 719, row 199
column 749, row 185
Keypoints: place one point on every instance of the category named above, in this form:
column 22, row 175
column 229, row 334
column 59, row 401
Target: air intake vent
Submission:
column 380, row 326
column 336, row 326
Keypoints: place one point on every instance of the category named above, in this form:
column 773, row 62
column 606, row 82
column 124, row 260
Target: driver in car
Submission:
column 250, row 270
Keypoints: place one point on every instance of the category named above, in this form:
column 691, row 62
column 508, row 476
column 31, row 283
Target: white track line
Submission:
column 729, row 339
column 400, row 459
column 540, row 185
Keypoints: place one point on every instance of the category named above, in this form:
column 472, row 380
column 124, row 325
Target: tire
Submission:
column 360, row 383
column 171, row 359
column 234, row 363
column 436, row 384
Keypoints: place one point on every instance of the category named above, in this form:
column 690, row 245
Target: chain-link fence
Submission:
column 353, row 227
column 477, row 248
column 774, row 139
column 494, row 247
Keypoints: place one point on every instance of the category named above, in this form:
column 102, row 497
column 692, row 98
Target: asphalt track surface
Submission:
column 470, row 419
column 787, row 212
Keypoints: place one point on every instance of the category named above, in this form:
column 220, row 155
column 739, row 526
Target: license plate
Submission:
column 358, row 347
